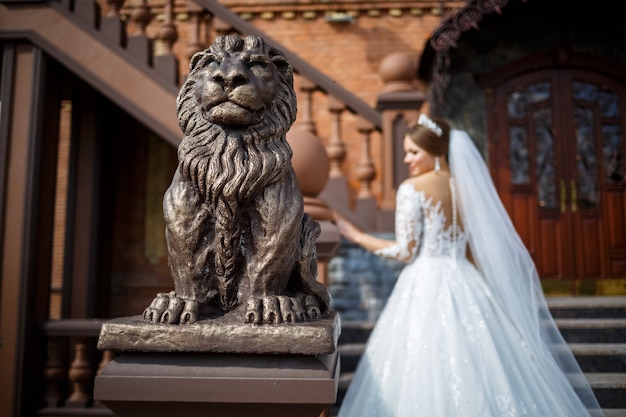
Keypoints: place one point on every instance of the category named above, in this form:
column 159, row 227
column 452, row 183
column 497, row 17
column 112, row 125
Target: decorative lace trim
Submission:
column 421, row 228
column 454, row 225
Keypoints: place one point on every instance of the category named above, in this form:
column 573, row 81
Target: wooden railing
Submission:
column 72, row 363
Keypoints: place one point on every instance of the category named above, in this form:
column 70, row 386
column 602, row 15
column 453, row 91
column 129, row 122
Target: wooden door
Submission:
column 557, row 156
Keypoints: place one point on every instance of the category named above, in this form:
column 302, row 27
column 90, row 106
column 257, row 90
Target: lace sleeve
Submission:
column 408, row 225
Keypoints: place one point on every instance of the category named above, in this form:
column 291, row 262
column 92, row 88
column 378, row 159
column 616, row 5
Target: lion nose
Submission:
column 230, row 74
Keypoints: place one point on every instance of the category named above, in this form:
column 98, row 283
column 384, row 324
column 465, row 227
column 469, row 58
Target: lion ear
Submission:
column 197, row 57
column 281, row 63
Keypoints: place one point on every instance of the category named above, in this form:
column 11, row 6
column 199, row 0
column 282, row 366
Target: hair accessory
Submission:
column 429, row 124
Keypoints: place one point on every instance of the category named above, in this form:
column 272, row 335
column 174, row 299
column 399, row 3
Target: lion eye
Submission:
column 212, row 62
column 258, row 62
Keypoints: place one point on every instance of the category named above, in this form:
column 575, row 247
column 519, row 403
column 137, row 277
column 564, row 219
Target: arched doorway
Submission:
column 556, row 150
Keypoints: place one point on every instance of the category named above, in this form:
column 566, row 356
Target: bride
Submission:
column 466, row 330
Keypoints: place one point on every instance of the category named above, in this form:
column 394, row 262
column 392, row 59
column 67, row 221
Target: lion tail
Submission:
column 228, row 234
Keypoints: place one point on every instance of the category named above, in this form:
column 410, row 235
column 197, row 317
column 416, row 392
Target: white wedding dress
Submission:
column 445, row 346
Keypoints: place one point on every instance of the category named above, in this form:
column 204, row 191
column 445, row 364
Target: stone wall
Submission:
column 360, row 282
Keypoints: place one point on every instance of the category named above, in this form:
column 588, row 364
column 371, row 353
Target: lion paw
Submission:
column 312, row 307
column 281, row 308
column 167, row 308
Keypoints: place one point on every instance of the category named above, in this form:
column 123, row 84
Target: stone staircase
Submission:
column 594, row 327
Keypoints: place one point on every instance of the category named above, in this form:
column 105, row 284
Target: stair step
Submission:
column 593, row 330
column 591, row 323
column 587, row 307
column 343, row 383
column 333, row 411
column 609, row 388
column 600, row 357
column 350, row 355
column 607, row 412
column 592, row 357
column 606, row 380
column 355, row 331
column 574, row 330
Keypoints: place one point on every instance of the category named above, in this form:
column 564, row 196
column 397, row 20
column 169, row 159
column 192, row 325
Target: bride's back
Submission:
column 434, row 189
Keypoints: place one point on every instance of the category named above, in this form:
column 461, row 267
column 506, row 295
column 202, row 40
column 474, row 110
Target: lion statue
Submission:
column 238, row 239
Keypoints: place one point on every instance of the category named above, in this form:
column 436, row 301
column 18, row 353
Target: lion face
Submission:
column 236, row 89
column 236, row 84
column 235, row 108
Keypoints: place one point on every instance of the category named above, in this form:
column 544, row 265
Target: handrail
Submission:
column 73, row 327
column 73, row 47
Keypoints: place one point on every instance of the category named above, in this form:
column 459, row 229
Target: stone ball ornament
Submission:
column 310, row 161
column 398, row 70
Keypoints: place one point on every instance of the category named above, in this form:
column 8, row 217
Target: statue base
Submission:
column 221, row 335
column 228, row 385
column 219, row 367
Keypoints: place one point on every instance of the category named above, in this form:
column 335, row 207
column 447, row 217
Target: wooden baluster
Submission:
column 365, row 171
column 114, row 7
column 80, row 375
column 107, row 356
column 337, row 189
column 68, row 4
column 336, row 148
column 168, row 33
column 365, row 205
column 194, row 44
column 54, row 373
column 138, row 45
column 305, row 105
column 165, row 62
column 87, row 11
column 140, row 17
column 111, row 26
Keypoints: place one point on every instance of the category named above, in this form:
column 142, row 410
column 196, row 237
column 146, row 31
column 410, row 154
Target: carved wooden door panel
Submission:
column 558, row 165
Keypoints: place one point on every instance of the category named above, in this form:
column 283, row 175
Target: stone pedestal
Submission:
column 235, row 385
column 289, row 370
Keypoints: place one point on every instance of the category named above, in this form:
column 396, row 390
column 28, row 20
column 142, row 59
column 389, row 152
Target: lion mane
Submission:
column 240, row 161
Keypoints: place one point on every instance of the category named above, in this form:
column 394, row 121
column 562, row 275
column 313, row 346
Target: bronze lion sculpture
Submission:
column 238, row 239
